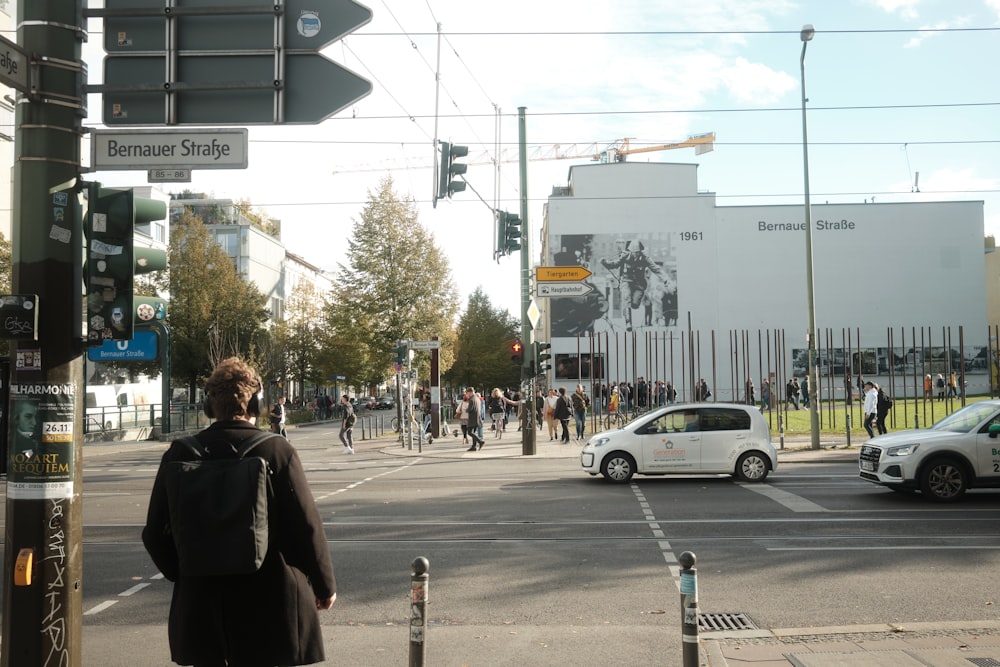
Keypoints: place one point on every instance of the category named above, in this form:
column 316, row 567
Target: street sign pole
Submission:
column 43, row 563
column 529, row 433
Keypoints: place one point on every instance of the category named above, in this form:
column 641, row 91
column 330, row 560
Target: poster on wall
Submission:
column 634, row 280
column 40, row 463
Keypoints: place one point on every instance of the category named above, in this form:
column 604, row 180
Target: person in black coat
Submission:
column 563, row 413
column 268, row 617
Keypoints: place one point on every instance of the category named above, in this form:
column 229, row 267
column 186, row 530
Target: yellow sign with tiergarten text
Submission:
column 561, row 273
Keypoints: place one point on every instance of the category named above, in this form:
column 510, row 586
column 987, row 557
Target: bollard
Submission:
column 848, row 431
column 916, row 420
column 418, row 612
column 689, row 609
column 781, row 431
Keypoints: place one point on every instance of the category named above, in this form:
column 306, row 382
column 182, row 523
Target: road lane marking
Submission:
column 355, row 485
column 99, row 608
column 132, row 591
column 784, row 498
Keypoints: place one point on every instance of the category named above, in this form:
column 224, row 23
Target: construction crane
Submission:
column 598, row 151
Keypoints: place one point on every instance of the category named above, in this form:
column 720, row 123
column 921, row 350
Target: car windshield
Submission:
column 966, row 419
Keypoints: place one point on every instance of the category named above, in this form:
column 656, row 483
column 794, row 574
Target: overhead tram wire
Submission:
column 788, row 195
column 409, row 116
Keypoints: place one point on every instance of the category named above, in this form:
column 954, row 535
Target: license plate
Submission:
column 868, row 465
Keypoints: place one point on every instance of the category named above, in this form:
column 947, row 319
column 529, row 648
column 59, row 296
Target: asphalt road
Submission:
column 533, row 562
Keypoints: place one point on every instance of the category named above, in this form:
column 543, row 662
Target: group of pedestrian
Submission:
column 941, row 385
column 876, row 409
column 558, row 409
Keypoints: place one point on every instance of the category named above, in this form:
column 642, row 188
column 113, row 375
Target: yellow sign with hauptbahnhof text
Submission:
column 561, row 273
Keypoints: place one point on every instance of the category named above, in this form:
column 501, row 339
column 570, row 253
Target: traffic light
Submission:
column 543, row 357
column 499, row 248
column 517, row 352
column 447, row 183
column 399, row 355
column 112, row 260
column 512, row 236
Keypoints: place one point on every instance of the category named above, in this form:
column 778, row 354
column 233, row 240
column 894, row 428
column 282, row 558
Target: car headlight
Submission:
column 599, row 442
column 902, row 450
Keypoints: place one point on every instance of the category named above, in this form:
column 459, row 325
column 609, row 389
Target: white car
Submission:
column 703, row 438
column 960, row 452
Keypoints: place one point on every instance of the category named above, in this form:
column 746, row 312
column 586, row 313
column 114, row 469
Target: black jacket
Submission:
column 268, row 617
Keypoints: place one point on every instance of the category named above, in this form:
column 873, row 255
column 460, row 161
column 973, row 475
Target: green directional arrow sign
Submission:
column 314, row 89
column 135, row 26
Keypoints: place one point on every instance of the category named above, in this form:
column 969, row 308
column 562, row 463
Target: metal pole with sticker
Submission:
column 418, row 612
column 689, row 609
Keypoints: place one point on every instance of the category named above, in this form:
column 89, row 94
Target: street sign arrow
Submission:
column 135, row 26
column 14, row 66
column 562, row 289
column 561, row 273
column 228, row 90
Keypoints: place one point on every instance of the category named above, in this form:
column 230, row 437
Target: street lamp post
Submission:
column 806, row 35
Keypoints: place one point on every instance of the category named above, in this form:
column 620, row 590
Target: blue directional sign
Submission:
column 143, row 347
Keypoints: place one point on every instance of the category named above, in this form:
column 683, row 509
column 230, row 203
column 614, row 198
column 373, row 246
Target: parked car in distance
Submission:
column 960, row 452
column 368, row 402
column 696, row 438
column 385, row 403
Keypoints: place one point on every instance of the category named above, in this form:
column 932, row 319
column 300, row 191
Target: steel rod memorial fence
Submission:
column 907, row 362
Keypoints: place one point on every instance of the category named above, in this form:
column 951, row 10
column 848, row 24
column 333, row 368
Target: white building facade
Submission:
column 722, row 291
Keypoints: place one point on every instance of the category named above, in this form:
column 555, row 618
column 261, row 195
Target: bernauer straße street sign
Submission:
column 226, row 62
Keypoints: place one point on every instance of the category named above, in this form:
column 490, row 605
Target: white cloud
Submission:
column 755, row 83
column 907, row 9
column 920, row 38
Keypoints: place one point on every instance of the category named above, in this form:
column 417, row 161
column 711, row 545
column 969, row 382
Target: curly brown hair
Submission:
column 230, row 387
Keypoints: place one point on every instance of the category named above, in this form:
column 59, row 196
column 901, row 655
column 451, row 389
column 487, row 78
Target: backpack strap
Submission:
column 253, row 441
column 199, row 450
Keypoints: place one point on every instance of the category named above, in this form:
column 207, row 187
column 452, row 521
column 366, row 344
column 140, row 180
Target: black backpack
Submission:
column 218, row 509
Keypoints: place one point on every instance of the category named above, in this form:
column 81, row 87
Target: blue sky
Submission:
column 895, row 87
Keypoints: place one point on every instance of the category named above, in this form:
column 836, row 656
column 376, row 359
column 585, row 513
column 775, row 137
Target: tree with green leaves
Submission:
column 483, row 347
column 300, row 335
column 395, row 285
column 213, row 313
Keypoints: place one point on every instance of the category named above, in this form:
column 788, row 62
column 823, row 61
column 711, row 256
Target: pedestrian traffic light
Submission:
column 447, row 183
column 517, row 352
column 112, row 260
column 512, row 233
column 543, row 357
column 399, row 354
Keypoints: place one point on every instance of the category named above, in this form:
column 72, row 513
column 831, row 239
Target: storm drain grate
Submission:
column 725, row 622
column 984, row 662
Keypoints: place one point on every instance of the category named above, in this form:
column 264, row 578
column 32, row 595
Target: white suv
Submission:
column 960, row 452
column 702, row 438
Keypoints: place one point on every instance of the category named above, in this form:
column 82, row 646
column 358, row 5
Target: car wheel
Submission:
column 618, row 467
column 944, row 480
column 752, row 467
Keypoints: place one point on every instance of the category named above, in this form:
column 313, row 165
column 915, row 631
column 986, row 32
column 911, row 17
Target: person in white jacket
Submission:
column 871, row 408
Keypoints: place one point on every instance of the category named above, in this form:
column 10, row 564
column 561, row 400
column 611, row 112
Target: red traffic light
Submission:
column 516, row 352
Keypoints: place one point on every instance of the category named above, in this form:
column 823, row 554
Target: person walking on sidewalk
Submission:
column 347, row 424
column 563, row 414
column 871, row 408
column 475, row 419
column 580, row 404
column 269, row 617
